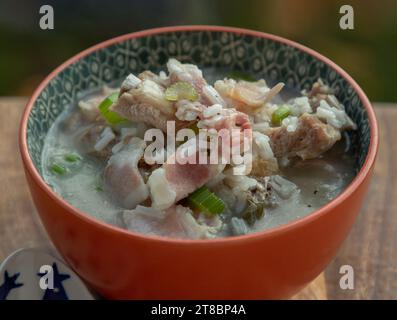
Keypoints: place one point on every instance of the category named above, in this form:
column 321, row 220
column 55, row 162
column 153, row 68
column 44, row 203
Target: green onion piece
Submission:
column 110, row 116
column 58, row 169
column 99, row 189
column 205, row 201
column 72, row 157
column 181, row 90
column 280, row 114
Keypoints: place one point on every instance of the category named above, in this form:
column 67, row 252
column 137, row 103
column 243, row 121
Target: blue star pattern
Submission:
column 9, row 284
column 58, row 292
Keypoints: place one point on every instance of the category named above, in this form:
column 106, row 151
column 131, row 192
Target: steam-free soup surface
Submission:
column 301, row 158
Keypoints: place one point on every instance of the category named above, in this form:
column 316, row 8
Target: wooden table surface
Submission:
column 371, row 248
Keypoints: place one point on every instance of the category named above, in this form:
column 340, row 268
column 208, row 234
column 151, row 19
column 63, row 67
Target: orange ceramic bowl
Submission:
column 275, row 263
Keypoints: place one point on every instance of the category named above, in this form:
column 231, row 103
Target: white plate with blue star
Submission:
column 36, row 274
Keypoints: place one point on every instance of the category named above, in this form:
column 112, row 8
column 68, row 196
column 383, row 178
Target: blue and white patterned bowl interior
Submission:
column 265, row 58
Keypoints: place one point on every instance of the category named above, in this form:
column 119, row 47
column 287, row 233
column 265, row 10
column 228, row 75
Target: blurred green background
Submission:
column 368, row 53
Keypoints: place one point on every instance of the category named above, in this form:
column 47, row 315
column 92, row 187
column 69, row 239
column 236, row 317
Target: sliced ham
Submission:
column 176, row 179
column 181, row 175
column 122, row 177
column 233, row 126
column 224, row 118
column 175, row 222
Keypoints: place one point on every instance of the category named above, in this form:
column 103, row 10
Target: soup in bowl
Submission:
column 198, row 162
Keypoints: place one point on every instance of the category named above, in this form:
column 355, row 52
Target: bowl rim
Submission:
column 271, row 232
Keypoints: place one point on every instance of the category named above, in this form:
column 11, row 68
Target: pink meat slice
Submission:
column 181, row 175
column 122, row 177
column 175, row 222
column 186, row 178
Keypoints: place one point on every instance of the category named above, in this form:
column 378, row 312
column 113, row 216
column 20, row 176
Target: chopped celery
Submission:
column 110, row 116
column 280, row 114
column 72, row 157
column 205, row 201
column 58, row 169
column 181, row 90
column 65, row 163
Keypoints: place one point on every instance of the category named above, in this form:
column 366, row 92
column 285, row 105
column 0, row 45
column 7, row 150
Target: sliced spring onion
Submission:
column 205, row 201
column 181, row 90
column 58, row 169
column 110, row 116
column 253, row 212
column 99, row 189
column 72, row 157
column 280, row 114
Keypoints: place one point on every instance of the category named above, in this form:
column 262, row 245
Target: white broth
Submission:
column 80, row 153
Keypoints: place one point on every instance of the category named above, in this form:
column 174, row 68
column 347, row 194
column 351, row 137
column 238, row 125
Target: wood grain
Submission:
column 371, row 248
column 19, row 222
